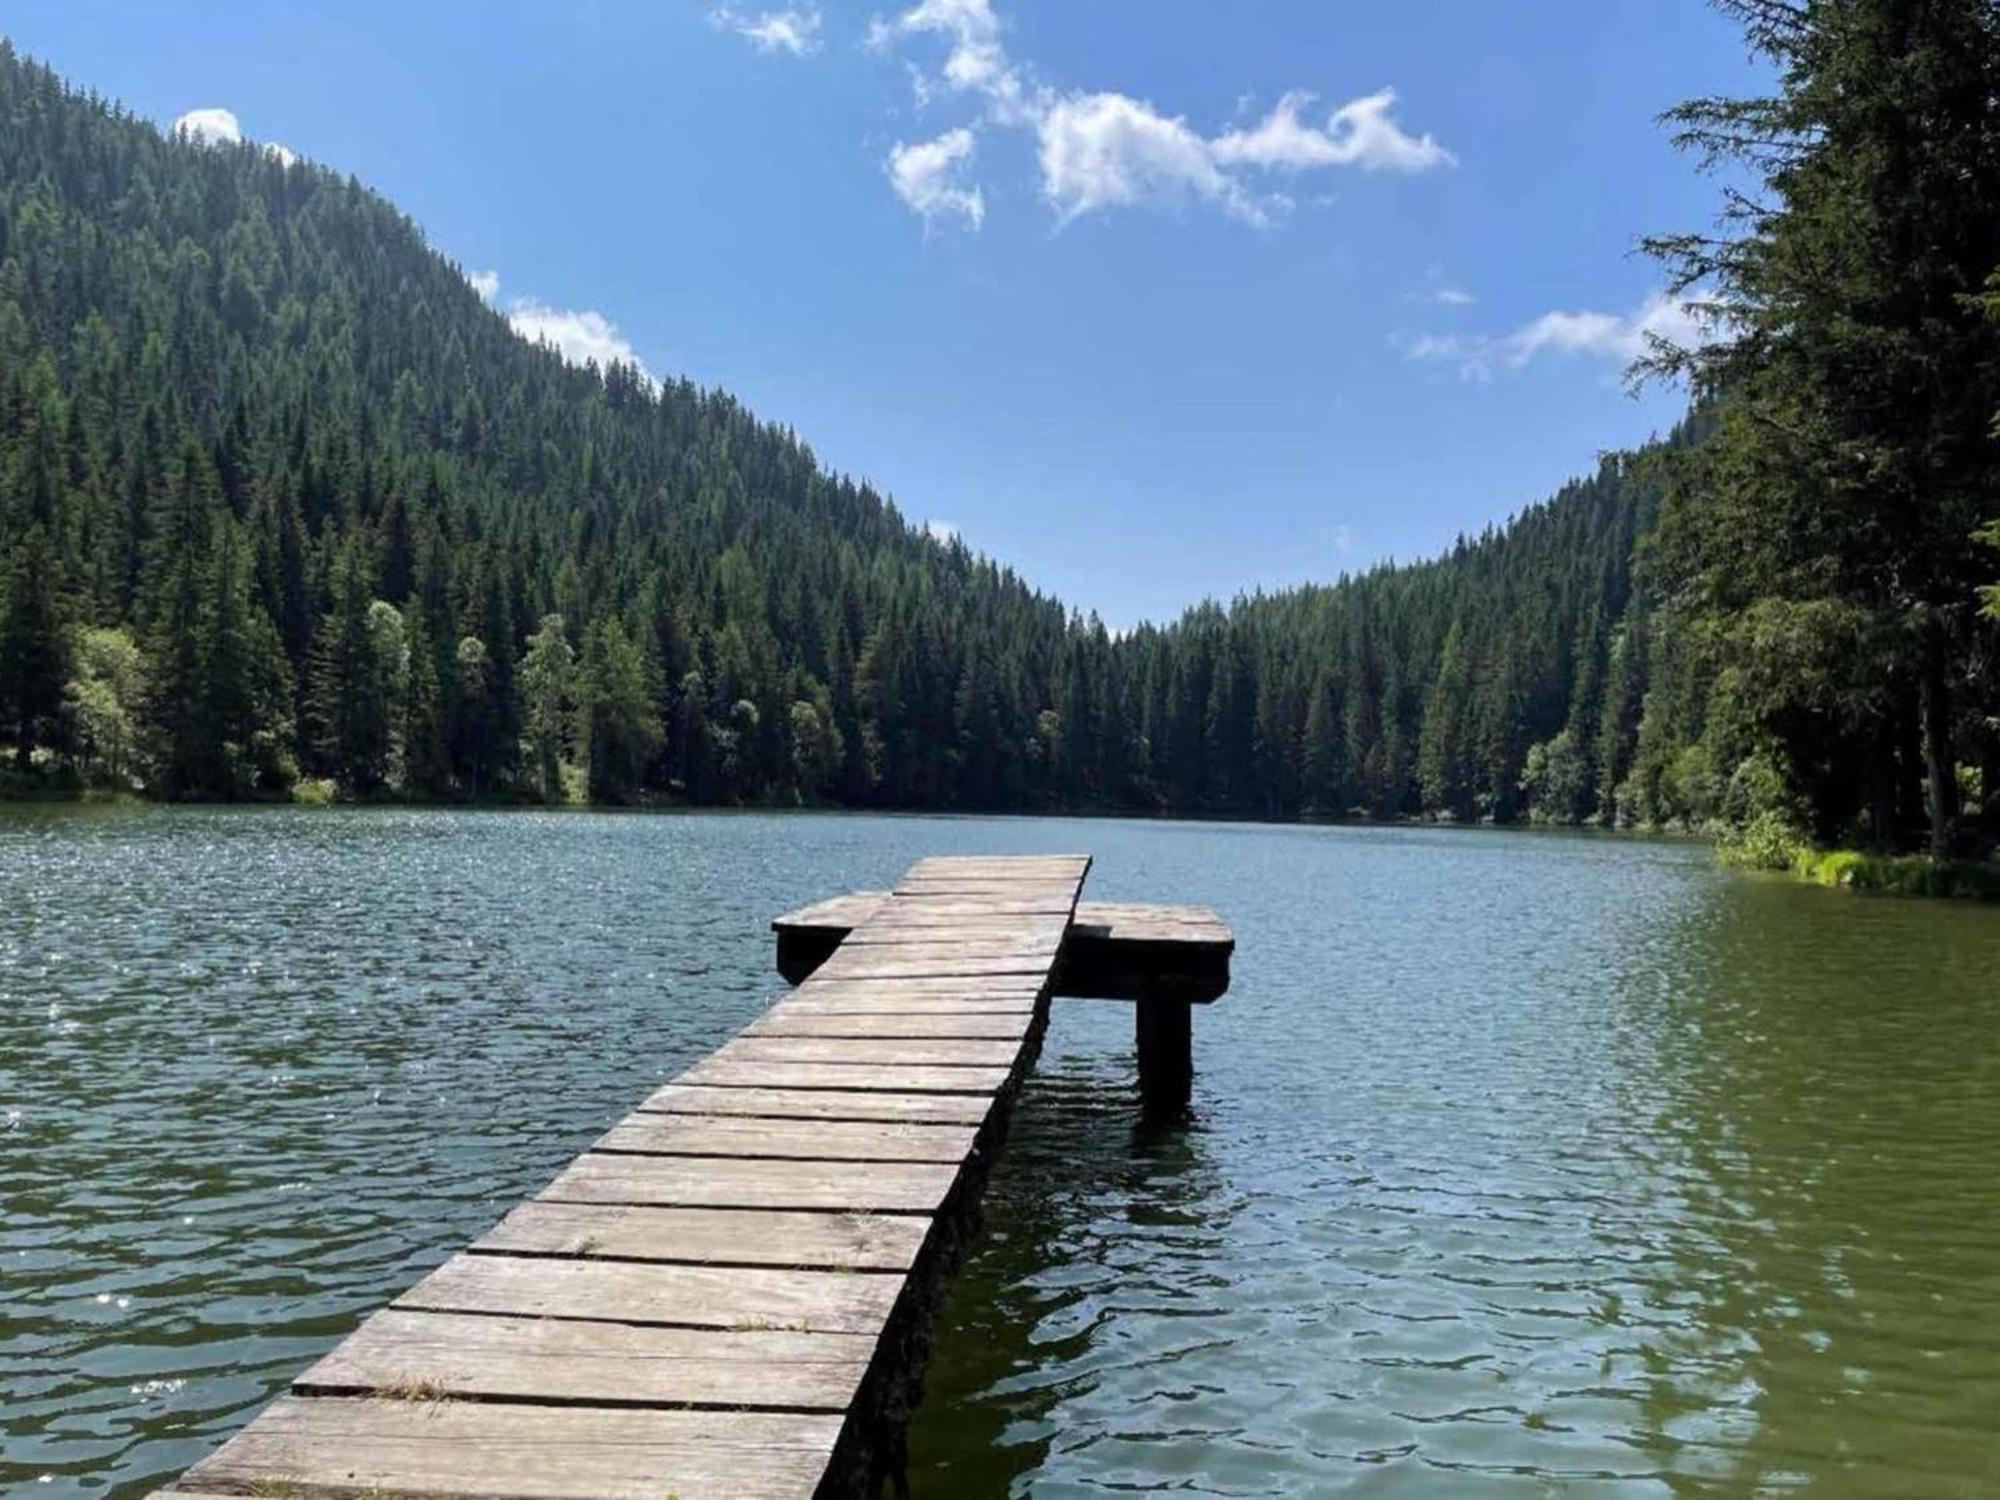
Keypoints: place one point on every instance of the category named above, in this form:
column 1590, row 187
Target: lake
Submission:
column 1524, row 1164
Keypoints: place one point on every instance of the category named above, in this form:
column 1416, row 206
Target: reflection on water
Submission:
column 1524, row 1164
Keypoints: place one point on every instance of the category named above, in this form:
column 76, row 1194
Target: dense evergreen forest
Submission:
column 284, row 504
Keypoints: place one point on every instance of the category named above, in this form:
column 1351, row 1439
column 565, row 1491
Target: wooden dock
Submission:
column 731, row 1293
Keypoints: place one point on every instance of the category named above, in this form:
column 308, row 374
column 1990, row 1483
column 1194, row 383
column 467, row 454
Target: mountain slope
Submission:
column 280, row 496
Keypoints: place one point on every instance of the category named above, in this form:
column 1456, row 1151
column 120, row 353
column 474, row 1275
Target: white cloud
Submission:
column 210, row 127
column 1361, row 133
column 1686, row 322
column 579, row 336
column 1107, row 151
column 795, row 30
column 220, row 127
column 1448, row 296
column 926, row 176
column 486, row 283
column 943, row 532
column 976, row 60
column 1101, row 149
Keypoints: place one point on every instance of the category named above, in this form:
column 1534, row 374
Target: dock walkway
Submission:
column 731, row 1293
column 726, row 1295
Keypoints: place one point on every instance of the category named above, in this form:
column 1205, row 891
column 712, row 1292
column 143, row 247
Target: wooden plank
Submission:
column 836, row 911
column 450, row 1355
column 310, row 1448
column 921, row 1005
column 746, row 1182
column 790, row 1140
column 897, row 963
column 950, row 1052
column 945, row 909
column 1013, row 895
column 1006, row 934
column 820, row 1104
column 890, row 1080
column 1030, row 955
column 706, row 1236
column 788, row 1018
column 674, row 1295
column 1021, row 990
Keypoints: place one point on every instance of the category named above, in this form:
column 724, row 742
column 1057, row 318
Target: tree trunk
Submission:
column 1883, row 790
column 1940, row 764
column 1989, row 785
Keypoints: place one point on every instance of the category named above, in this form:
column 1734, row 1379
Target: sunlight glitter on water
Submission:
column 1522, row 1164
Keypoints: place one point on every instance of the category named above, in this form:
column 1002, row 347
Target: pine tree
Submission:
column 1851, row 456
column 354, row 682
column 1443, row 769
column 34, row 646
column 618, row 722
column 548, row 697
column 1325, row 751
column 426, row 754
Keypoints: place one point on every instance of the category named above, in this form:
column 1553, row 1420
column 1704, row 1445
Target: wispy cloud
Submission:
column 1361, row 133
column 1623, row 338
column 795, row 31
column 486, row 283
column 1104, row 149
column 928, row 176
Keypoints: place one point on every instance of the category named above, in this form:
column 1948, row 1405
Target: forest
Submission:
column 286, row 509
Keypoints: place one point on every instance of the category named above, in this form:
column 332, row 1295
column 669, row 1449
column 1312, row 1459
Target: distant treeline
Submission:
column 281, row 498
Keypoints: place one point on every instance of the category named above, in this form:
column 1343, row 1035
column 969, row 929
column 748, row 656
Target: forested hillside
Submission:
column 282, row 499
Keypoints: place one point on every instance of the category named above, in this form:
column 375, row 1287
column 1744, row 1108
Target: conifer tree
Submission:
column 548, row 698
column 34, row 646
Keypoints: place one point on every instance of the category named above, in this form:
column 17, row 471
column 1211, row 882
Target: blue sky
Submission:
column 1095, row 284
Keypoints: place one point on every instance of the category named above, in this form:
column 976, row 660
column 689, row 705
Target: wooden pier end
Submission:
column 1163, row 959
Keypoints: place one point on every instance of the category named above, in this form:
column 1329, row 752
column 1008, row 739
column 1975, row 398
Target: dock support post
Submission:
column 1165, row 1034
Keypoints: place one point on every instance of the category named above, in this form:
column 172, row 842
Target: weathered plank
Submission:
column 955, row 1052
column 443, row 1356
column 791, row 1019
column 708, row 1236
column 926, row 963
column 984, row 895
column 1005, row 935
column 731, row 1182
column 799, row 1140
column 819, row 1104
column 473, row 1450
column 892, row 1080
column 669, row 1294
column 1015, row 990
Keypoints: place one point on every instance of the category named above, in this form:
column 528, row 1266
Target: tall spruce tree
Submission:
column 1827, row 515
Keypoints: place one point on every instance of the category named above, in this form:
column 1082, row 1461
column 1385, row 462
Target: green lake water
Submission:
column 1524, row 1164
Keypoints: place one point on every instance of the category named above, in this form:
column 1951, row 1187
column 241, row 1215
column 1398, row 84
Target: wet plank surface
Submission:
column 694, row 1305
